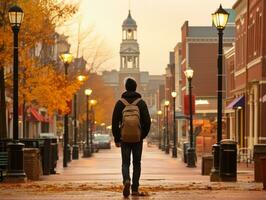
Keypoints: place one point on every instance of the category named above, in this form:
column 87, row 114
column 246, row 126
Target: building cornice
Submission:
column 239, row 72
column 241, row 8
column 191, row 40
column 254, row 62
column 239, row 90
column 230, row 52
column 262, row 82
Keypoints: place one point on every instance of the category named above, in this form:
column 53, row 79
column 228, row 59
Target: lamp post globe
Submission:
column 81, row 78
column 189, row 73
column 166, row 105
column 15, row 15
column 219, row 19
column 15, row 168
column 88, row 92
column 66, row 58
column 174, row 149
column 174, row 94
column 159, row 113
column 87, row 149
column 191, row 156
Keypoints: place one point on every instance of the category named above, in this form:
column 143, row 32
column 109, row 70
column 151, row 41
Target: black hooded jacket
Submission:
column 145, row 119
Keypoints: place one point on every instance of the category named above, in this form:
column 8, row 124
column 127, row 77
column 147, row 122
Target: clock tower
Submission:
column 129, row 53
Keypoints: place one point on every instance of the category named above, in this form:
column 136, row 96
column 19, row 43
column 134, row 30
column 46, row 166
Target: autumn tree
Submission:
column 42, row 84
column 104, row 95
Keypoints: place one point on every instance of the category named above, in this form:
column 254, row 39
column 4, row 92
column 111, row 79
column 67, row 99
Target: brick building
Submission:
column 246, row 75
column 199, row 52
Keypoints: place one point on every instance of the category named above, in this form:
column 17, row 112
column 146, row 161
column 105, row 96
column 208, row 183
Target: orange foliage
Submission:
column 40, row 84
column 105, row 99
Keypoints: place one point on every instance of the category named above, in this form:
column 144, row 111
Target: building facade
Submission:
column 198, row 50
column 246, row 75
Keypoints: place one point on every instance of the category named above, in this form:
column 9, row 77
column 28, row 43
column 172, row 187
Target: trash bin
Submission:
column 185, row 148
column 32, row 163
column 259, row 152
column 228, row 164
column 207, row 163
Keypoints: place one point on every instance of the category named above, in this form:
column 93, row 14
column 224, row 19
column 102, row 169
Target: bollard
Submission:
column 53, row 158
column 207, row 163
column 263, row 171
column 46, row 157
column 185, row 148
column 68, row 153
column 259, row 152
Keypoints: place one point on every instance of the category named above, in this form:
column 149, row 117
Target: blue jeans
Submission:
column 136, row 149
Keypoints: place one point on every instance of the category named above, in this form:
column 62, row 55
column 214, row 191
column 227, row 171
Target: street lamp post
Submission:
column 87, row 152
column 191, row 150
column 66, row 59
column 166, row 104
column 159, row 113
column 75, row 151
column 15, row 148
column 174, row 150
column 219, row 18
column 163, row 132
column 92, row 103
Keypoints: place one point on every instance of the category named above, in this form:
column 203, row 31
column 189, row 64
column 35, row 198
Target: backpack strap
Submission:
column 136, row 101
column 124, row 101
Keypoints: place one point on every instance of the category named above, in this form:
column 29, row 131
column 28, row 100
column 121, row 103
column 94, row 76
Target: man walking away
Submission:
column 130, row 125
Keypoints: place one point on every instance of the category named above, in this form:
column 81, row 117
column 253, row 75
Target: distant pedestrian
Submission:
column 130, row 125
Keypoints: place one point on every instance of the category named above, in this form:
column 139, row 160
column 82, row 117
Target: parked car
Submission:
column 103, row 141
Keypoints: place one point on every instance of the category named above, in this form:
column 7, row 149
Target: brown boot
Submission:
column 137, row 193
column 126, row 190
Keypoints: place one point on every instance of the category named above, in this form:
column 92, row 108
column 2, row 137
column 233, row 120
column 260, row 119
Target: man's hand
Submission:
column 117, row 144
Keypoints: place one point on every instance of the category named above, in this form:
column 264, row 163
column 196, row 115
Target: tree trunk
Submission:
column 3, row 128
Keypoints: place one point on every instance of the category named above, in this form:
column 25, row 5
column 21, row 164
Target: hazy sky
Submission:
column 159, row 23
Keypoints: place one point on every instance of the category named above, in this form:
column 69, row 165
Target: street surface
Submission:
column 162, row 177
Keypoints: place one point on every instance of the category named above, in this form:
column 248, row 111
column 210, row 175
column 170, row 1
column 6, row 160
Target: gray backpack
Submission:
column 130, row 127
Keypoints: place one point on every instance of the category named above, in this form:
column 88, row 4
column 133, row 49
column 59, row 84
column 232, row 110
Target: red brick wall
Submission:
column 240, row 42
column 240, row 80
column 264, row 40
column 203, row 60
column 230, row 82
column 184, row 32
column 255, row 26
column 255, row 72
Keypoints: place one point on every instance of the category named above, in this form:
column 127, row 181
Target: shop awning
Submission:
column 238, row 102
column 36, row 114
